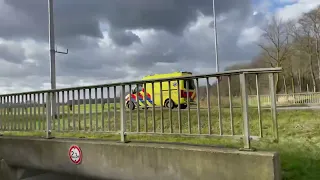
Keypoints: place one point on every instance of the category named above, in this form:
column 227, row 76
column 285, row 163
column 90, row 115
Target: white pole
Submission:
column 217, row 62
column 215, row 35
column 52, row 54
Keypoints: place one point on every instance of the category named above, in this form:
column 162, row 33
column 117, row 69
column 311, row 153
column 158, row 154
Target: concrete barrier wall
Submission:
column 140, row 161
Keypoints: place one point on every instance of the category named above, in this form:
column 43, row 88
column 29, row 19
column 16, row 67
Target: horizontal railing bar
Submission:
column 78, row 133
column 260, row 70
column 219, row 74
column 300, row 93
column 84, row 133
column 192, row 135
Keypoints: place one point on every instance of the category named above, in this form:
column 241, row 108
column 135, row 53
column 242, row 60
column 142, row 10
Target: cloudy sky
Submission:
column 120, row 40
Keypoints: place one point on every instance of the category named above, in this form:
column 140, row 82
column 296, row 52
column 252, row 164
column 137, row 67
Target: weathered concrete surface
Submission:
column 6, row 172
column 53, row 176
column 16, row 173
column 140, row 161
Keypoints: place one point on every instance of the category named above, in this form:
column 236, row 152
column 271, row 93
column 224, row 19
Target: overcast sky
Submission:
column 120, row 40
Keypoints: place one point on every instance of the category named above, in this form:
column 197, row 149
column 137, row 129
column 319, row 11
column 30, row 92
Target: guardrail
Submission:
column 288, row 99
column 169, row 112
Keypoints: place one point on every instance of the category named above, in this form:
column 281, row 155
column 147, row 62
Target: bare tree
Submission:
column 294, row 46
column 275, row 43
column 306, row 41
column 312, row 19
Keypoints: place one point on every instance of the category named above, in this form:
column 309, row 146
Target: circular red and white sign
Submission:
column 75, row 154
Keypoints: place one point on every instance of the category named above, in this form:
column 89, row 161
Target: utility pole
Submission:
column 215, row 35
column 52, row 56
column 53, row 52
column 217, row 64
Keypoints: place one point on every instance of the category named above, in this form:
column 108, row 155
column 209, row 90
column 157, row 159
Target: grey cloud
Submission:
column 75, row 18
column 95, row 62
column 10, row 70
column 195, row 47
column 12, row 53
column 165, row 47
column 76, row 43
column 172, row 47
column 162, row 48
column 78, row 62
column 149, row 59
column 123, row 38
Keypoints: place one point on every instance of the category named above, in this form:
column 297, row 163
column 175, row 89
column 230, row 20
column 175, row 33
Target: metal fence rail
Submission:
column 165, row 108
column 288, row 99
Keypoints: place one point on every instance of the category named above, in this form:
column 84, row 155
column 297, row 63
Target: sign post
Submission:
column 75, row 154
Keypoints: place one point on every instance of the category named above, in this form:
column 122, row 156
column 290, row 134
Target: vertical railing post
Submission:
column 245, row 108
column 123, row 114
column 259, row 106
column 1, row 116
column 53, row 105
column 273, row 107
column 49, row 115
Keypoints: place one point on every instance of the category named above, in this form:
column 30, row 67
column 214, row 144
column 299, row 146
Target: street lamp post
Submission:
column 217, row 64
column 215, row 35
column 52, row 55
column 53, row 52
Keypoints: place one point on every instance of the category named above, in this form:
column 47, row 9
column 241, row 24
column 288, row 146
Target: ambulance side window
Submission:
column 139, row 88
column 190, row 83
column 136, row 89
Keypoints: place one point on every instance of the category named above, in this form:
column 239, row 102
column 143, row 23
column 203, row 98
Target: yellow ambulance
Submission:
column 137, row 94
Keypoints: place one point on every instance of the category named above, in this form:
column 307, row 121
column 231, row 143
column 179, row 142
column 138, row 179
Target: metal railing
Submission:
column 289, row 99
column 168, row 108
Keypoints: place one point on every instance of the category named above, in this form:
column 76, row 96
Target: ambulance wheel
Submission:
column 183, row 106
column 169, row 104
column 131, row 105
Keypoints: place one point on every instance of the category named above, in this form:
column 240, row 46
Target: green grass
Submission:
column 299, row 131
